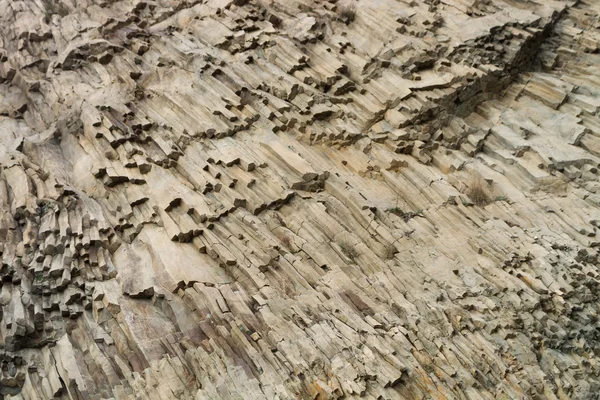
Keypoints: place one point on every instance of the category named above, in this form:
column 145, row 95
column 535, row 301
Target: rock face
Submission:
column 281, row 199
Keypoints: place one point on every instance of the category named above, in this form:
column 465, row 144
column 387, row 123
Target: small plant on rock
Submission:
column 44, row 207
column 390, row 252
column 395, row 210
column 287, row 242
column 405, row 215
column 347, row 13
column 54, row 8
column 39, row 276
column 478, row 193
column 349, row 250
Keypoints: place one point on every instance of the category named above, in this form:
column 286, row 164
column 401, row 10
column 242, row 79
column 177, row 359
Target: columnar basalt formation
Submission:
column 277, row 199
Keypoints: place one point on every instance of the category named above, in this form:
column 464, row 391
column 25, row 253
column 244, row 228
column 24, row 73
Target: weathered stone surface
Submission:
column 299, row 199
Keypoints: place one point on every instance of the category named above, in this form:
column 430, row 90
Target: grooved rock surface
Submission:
column 280, row 199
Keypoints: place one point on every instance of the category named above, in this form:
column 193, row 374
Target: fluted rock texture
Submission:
column 282, row 199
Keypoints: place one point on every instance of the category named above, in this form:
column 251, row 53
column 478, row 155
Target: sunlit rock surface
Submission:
column 277, row 199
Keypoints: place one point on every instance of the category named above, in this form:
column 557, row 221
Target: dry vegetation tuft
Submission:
column 347, row 13
column 478, row 193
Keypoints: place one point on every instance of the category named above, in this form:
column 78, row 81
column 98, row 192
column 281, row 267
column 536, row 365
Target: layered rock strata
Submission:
column 230, row 199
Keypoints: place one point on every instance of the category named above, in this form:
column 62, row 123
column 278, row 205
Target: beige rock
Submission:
column 299, row 199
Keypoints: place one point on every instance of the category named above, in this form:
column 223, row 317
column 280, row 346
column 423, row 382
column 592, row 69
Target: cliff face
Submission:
column 286, row 199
